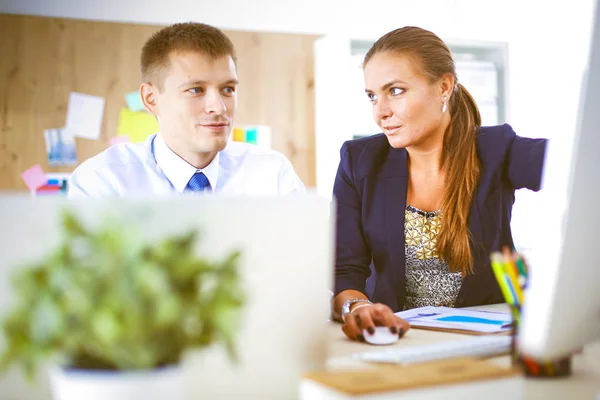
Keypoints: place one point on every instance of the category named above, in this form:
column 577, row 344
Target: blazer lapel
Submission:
column 395, row 174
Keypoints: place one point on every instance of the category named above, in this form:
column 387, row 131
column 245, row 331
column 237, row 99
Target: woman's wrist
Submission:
column 356, row 306
column 351, row 304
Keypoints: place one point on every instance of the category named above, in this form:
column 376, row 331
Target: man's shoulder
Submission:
column 252, row 153
column 117, row 155
column 269, row 170
column 103, row 174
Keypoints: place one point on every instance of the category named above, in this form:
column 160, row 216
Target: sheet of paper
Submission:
column 134, row 101
column 84, row 115
column 137, row 125
column 60, row 147
column 119, row 139
column 34, row 177
column 457, row 318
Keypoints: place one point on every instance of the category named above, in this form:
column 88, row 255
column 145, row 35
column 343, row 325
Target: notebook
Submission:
column 458, row 320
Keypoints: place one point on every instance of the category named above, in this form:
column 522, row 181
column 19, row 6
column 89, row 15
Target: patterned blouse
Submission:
column 429, row 281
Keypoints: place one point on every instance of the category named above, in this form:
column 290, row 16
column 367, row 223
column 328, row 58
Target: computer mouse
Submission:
column 381, row 336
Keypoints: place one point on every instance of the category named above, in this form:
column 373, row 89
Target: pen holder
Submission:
column 535, row 368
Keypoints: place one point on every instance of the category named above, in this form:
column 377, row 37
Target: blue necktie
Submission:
column 198, row 183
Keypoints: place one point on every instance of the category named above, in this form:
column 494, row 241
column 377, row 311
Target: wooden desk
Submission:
column 584, row 383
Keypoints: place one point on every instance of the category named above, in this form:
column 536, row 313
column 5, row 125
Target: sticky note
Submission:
column 136, row 125
column 251, row 136
column 239, row 135
column 119, row 139
column 134, row 101
column 34, row 177
column 84, row 115
column 263, row 138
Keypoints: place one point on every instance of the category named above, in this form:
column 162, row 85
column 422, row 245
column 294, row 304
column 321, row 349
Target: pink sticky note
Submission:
column 119, row 139
column 34, row 177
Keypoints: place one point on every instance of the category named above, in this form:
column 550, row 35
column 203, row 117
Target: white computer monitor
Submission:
column 562, row 305
column 286, row 268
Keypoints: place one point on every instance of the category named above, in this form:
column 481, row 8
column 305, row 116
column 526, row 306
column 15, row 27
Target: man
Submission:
column 190, row 85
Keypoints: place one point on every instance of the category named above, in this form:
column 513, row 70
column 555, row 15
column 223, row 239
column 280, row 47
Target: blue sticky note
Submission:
column 134, row 101
column 472, row 320
column 251, row 136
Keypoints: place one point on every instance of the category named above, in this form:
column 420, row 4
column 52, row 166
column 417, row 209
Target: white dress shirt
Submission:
column 152, row 168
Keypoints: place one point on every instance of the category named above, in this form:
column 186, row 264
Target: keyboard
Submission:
column 478, row 346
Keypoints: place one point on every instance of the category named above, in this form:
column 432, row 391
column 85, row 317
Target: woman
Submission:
column 427, row 201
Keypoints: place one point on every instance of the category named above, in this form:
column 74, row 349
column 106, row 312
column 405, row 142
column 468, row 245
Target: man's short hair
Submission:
column 182, row 37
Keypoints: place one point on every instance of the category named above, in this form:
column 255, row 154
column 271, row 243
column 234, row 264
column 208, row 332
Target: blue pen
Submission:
column 428, row 315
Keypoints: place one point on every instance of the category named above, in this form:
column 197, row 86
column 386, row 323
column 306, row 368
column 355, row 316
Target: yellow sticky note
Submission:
column 239, row 135
column 137, row 125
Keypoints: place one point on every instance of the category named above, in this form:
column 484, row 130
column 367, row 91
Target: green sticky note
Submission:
column 134, row 101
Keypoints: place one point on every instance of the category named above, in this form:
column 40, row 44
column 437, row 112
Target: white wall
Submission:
column 548, row 40
column 485, row 20
column 548, row 45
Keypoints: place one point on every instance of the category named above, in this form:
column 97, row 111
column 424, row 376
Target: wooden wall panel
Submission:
column 42, row 60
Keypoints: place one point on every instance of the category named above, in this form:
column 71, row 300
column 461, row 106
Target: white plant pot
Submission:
column 74, row 384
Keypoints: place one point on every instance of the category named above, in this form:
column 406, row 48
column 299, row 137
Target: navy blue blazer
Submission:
column 370, row 189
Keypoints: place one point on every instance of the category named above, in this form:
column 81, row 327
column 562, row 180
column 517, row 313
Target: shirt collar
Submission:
column 178, row 171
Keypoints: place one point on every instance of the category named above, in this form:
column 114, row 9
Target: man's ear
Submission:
column 149, row 94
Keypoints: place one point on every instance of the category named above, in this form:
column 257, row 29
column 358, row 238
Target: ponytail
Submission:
column 462, row 169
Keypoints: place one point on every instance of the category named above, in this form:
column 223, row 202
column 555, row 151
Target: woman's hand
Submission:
column 368, row 316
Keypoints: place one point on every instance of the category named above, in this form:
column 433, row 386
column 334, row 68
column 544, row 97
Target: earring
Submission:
column 445, row 106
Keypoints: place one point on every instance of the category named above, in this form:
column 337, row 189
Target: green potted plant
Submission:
column 115, row 313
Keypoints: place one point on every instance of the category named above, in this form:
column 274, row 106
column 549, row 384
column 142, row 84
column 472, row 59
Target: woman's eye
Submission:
column 195, row 90
column 371, row 96
column 396, row 91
